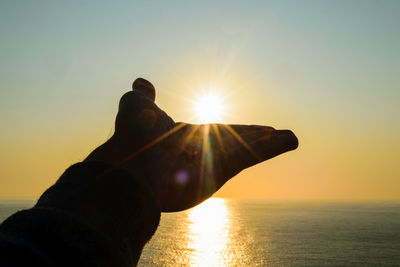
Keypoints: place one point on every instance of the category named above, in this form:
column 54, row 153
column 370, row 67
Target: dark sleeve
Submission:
column 92, row 216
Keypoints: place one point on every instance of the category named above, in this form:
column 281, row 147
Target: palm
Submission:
column 185, row 163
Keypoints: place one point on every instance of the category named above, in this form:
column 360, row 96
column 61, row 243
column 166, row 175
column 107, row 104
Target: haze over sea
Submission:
column 231, row 232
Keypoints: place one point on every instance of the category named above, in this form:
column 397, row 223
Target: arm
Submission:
column 90, row 217
column 102, row 211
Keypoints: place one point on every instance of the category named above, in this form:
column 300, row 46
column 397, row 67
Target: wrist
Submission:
column 102, row 153
column 119, row 155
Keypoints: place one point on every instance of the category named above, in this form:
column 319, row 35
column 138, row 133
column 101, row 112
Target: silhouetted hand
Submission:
column 184, row 164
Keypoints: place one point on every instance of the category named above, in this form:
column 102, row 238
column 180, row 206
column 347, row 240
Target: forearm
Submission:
column 94, row 212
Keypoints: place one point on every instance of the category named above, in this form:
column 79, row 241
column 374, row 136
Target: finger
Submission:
column 261, row 139
column 236, row 147
column 233, row 147
column 138, row 115
column 247, row 145
column 145, row 87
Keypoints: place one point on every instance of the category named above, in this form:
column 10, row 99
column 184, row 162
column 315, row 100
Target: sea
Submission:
column 231, row 232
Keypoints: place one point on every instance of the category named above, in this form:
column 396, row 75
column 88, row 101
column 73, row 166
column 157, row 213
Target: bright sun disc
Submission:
column 208, row 108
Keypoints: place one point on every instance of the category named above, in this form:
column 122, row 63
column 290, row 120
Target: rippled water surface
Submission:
column 223, row 232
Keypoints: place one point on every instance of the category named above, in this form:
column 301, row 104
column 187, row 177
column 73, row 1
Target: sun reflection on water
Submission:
column 209, row 229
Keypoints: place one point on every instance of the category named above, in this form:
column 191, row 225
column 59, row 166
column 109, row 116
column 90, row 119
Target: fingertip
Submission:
column 289, row 138
column 145, row 87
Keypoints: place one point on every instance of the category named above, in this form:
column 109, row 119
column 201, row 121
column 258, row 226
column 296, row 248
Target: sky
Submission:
column 328, row 70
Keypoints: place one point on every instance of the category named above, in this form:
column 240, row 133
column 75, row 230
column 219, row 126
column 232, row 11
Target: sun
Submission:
column 209, row 107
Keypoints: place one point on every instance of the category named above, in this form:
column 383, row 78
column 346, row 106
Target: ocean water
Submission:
column 225, row 232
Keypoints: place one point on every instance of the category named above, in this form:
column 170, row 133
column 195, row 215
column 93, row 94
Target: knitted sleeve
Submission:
column 93, row 215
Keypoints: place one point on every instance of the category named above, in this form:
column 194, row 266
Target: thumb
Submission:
column 145, row 87
column 141, row 97
column 139, row 113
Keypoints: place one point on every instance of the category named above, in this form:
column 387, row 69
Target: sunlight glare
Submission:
column 209, row 107
column 210, row 229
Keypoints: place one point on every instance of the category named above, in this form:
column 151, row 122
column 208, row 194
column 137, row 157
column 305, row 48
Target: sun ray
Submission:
column 183, row 148
column 149, row 145
column 204, row 165
column 221, row 144
column 191, row 133
column 242, row 141
column 219, row 139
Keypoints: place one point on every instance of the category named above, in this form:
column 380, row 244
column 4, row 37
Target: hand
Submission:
column 184, row 164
